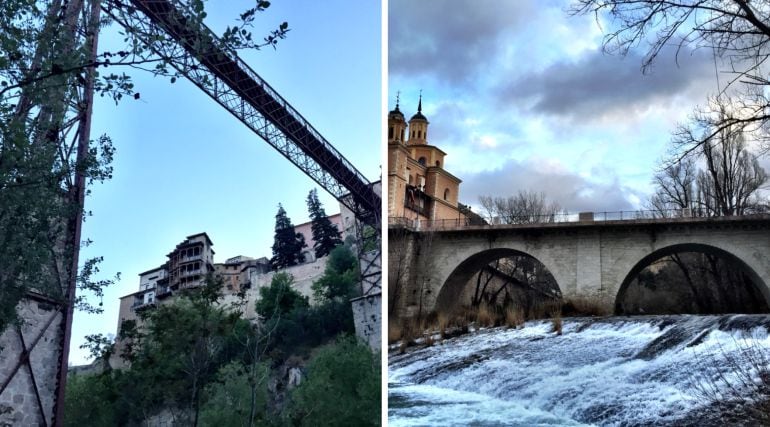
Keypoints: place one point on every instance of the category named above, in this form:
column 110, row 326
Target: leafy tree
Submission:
column 325, row 234
column 279, row 298
column 342, row 387
column 203, row 364
column 334, row 290
column 340, row 277
column 287, row 315
column 228, row 399
column 42, row 126
column 79, row 401
column 49, row 72
column 287, row 244
column 182, row 346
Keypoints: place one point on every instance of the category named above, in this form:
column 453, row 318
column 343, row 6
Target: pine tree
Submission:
column 325, row 234
column 287, row 245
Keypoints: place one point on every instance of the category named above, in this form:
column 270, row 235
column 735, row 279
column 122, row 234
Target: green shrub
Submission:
column 342, row 387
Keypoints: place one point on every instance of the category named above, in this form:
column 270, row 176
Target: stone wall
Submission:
column 367, row 316
column 304, row 276
column 19, row 402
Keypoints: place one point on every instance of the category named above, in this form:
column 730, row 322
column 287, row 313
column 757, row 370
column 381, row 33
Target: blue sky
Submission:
column 184, row 165
column 521, row 97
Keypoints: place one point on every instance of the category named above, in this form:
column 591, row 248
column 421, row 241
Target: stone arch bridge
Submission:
column 431, row 264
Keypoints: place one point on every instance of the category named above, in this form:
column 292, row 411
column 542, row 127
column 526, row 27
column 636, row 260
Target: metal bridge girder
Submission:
column 221, row 74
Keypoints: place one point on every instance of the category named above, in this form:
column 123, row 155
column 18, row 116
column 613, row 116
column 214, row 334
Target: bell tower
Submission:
column 418, row 127
column 396, row 125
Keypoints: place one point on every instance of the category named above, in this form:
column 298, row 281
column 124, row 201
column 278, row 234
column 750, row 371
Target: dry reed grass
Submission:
column 395, row 331
column 443, row 323
column 514, row 317
column 584, row 306
column 485, row 316
column 556, row 321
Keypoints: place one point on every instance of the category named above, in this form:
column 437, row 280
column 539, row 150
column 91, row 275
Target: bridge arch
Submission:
column 745, row 265
column 455, row 284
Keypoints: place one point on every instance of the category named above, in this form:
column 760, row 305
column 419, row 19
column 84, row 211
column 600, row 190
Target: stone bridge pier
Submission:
column 430, row 268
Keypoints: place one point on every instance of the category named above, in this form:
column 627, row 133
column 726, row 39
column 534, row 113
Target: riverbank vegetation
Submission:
column 196, row 361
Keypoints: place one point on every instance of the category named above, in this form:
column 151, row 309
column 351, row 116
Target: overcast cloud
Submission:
column 450, row 41
column 572, row 192
column 599, row 83
column 521, row 97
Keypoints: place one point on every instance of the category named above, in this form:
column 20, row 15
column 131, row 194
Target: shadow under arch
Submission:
column 755, row 279
column 452, row 289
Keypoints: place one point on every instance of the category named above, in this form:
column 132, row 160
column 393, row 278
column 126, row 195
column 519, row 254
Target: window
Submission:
column 438, row 164
column 390, row 132
column 402, row 134
column 419, row 134
column 422, row 161
column 446, row 194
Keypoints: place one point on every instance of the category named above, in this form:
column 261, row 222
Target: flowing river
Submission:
column 618, row 371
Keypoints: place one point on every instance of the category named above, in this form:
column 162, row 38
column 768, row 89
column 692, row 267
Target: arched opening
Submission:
column 500, row 279
column 438, row 164
column 422, row 161
column 691, row 279
column 446, row 194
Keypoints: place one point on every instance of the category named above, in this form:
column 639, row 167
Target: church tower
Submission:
column 418, row 127
column 419, row 188
column 396, row 126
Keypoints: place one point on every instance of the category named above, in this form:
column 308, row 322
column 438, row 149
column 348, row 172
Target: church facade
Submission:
column 419, row 188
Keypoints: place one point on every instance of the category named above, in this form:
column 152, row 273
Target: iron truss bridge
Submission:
column 198, row 54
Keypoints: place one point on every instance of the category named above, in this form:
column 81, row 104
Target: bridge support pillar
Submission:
column 588, row 267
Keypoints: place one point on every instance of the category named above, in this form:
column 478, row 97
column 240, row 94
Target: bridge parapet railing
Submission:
column 557, row 218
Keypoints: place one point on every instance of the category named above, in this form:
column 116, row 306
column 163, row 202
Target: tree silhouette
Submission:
column 288, row 244
column 325, row 234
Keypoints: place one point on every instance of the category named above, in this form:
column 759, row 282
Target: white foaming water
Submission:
column 616, row 371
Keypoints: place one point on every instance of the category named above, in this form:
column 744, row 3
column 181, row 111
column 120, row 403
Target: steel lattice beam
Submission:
column 199, row 56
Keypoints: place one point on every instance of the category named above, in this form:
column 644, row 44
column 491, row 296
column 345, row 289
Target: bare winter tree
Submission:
column 519, row 280
column 424, row 271
column 516, row 279
column 737, row 32
column 526, row 207
column 675, row 188
column 399, row 246
column 732, row 179
column 729, row 183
